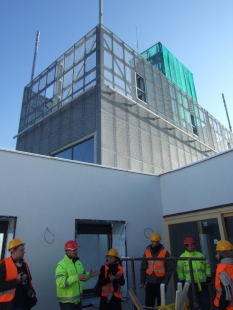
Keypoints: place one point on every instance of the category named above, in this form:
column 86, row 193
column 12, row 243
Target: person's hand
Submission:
column 20, row 277
column 143, row 286
column 112, row 278
column 94, row 273
column 82, row 277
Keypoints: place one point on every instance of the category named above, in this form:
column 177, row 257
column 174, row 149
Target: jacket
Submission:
column 164, row 272
column 108, row 288
column 220, row 300
column 8, row 282
column 69, row 287
column 201, row 269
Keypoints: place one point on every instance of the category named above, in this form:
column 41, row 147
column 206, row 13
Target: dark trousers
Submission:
column 203, row 297
column 70, row 306
column 153, row 292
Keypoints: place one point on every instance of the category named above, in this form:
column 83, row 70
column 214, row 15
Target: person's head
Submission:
column 71, row 248
column 112, row 256
column 155, row 239
column 189, row 244
column 224, row 249
column 17, row 249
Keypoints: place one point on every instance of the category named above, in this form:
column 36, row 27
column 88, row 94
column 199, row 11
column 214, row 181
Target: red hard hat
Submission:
column 189, row 240
column 71, row 245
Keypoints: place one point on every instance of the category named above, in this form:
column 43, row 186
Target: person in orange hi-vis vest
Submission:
column 16, row 290
column 155, row 272
column 111, row 279
column 224, row 276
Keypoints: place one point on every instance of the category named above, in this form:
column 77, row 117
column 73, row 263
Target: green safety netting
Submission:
column 161, row 58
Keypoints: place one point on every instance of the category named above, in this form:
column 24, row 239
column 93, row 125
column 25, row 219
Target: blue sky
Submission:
column 199, row 33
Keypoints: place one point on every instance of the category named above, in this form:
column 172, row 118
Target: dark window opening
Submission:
column 194, row 124
column 3, row 237
column 141, row 94
column 83, row 151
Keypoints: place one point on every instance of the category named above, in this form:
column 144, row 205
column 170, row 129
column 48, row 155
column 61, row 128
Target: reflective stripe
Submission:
column 179, row 267
column 7, row 292
column 219, row 291
column 217, row 297
column 201, row 270
column 159, row 264
column 59, row 276
column 66, row 282
column 230, row 304
column 68, row 299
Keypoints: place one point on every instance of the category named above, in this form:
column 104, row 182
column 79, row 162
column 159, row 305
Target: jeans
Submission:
column 70, row 306
column 203, row 297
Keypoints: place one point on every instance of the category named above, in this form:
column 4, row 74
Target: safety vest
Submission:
column 11, row 274
column 221, row 268
column 156, row 266
column 108, row 288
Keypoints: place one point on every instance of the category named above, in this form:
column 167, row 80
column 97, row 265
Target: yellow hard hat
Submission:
column 112, row 252
column 155, row 237
column 224, row 245
column 14, row 243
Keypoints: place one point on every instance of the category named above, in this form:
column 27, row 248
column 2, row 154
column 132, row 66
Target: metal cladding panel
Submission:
column 45, row 130
column 64, row 136
column 146, row 148
column 121, row 137
column 172, row 139
column 188, row 158
column 77, row 112
column 151, row 98
column 89, row 105
column 20, row 144
column 148, row 73
column 77, row 131
column 107, row 131
column 37, row 135
column 122, row 162
column 174, row 157
column 54, row 142
column 143, row 120
column 136, row 165
column 157, row 78
column 159, row 100
column 107, row 104
column 148, row 168
column 157, row 152
column 158, row 170
column 139, row 66
column 36, row 148
column 181, row 156
column 44, row 147
column 134, row 142
column 54, row 125
column 65, row 118
column 108, row 158
column 133, row 116
column 166, row 156
column 164, row 134
column 89, row 124
column 120, row 109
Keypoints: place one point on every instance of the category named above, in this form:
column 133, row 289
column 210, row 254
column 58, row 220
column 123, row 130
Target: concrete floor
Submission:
column 126, row 305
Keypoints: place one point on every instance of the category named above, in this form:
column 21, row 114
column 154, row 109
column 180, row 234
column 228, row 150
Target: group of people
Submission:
column 156, row 269
column 156, row 272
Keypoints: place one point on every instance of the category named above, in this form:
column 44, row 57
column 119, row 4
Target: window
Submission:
column 140, row 88
column 98, row 237
column 83, row 151
column 194, row 124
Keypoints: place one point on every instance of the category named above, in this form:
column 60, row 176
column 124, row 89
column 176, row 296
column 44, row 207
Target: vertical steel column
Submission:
column 35, row 52
column 195, row 298
column 229, row 123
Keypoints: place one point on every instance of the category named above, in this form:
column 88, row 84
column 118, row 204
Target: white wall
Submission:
column 45, row 192
column 205, row 184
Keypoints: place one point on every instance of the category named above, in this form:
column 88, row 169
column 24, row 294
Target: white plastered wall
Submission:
column 45, row 192
column 202, row 185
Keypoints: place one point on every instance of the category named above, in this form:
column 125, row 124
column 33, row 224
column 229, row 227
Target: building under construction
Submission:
column 101, row 102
